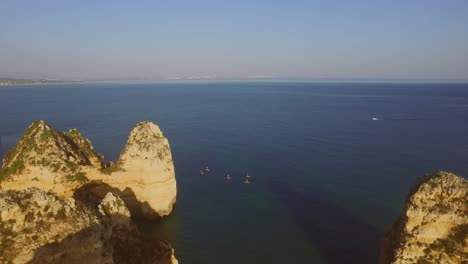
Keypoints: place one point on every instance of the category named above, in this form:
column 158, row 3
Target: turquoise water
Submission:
column 327, row 179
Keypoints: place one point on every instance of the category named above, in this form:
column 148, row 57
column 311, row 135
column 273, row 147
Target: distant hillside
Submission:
column 13, row 81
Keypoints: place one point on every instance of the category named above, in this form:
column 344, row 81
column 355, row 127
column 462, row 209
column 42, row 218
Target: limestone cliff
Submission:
column 63, row 162
column 146, row 161
column 39, row 227
column 433, row 227
column 49, row 159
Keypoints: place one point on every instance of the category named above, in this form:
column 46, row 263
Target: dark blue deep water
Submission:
column 328, row 181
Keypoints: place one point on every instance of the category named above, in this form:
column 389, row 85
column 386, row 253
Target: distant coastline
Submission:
column 12, row 81
column 38, row 81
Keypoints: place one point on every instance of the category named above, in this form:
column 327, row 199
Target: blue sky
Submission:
column 418, row 39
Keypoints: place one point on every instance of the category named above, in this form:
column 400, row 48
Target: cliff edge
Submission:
column 146, row 162
column 433, row 227
column 49, row 159
column 64, row 162
column 39, row 227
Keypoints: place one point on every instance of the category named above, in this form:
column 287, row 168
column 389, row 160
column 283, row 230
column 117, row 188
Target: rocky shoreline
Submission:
column 62, row 202
column 63, row 162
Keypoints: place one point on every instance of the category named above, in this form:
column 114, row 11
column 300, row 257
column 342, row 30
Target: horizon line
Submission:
column 214, row 77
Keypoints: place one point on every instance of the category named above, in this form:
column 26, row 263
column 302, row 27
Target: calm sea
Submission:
column 328, row 181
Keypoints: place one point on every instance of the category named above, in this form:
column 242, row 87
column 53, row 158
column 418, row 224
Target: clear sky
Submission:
column 399, row 39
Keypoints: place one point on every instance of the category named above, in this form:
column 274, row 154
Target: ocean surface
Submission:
column 328, row 181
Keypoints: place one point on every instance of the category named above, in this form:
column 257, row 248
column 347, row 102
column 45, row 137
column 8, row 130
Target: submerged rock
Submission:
column 63, row 162
column 38, row 227
column 433, row 227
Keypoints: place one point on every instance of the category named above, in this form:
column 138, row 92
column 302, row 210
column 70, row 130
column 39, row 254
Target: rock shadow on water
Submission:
column 339, row 236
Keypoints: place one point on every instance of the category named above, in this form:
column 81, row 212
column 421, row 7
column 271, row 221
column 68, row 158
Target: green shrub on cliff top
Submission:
column 10, row 155
column 79, row 177
column 16, row 166
column 45, row 135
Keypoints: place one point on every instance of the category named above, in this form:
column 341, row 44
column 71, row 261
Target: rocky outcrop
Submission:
column 62, row 162
column 433, row 227
column 32, row 219
column 146, row 161
column 39, row 227
column 113, row 207
column 49, row 159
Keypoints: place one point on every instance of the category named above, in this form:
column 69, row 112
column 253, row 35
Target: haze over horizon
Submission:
column 156, row 40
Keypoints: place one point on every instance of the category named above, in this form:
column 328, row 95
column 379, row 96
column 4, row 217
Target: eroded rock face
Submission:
column 113, row 206
column 32, row 222
column 43, row 146
column 37, row 227
column 62, row 162
column 146, row 161
column 433, row 227
column 49, row 159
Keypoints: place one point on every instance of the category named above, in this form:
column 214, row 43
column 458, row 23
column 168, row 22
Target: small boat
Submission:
column 202, row 173
column 207, row 169
column 228, row 177
column 375, row 119
column 248, row 176
column 247, row 181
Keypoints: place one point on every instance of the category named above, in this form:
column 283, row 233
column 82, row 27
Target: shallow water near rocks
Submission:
column 328, row 180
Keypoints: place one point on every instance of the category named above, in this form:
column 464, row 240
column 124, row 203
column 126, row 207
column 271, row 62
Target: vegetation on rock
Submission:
column 79, row 177
column 433, row 227
column 39, row 227
column 46, row 135
column 62, row 162
column 43, row 146
column 17, row 165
